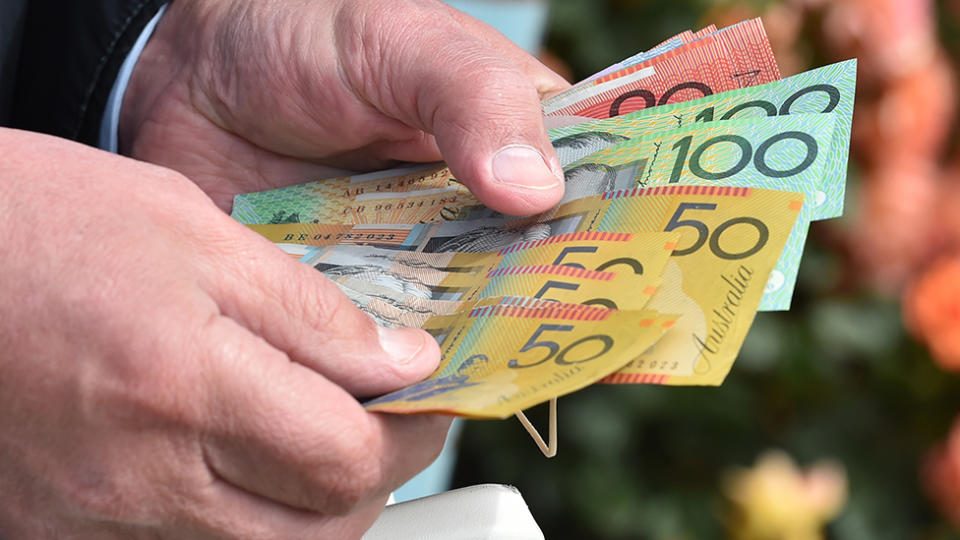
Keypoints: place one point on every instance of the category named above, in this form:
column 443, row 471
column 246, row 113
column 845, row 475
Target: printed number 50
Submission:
column 553, row 348
column 703, row 232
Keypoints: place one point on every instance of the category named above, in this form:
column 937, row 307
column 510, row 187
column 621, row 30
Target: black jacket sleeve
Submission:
column 70, row 54
column 12, row 14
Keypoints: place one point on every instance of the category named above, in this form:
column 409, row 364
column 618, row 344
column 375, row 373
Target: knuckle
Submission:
column 322, row 300
column 328, row 308
column 129, row 397
column 496, row 102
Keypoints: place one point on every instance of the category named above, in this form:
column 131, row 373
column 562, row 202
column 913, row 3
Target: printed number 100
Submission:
column 746, row 154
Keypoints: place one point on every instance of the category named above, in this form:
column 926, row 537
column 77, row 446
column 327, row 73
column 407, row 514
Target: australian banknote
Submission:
column 619, row 271
column 734, row 57
column 499, row 357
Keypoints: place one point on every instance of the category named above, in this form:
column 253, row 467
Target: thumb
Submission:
column 482, row 106
column 300, row 312
column 488, row 124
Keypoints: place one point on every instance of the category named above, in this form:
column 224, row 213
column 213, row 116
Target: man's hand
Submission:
column 166, row 373
column 244, row 96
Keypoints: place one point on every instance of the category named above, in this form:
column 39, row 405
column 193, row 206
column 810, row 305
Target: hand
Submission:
column 244, row 96
column 166, row 373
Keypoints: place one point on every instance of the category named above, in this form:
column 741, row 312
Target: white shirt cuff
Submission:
column 111, row 115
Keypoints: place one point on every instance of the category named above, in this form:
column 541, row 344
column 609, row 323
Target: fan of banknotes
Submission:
column 693, row 171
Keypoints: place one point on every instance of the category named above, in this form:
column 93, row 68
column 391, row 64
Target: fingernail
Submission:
column 523, row 166
column 400, row 344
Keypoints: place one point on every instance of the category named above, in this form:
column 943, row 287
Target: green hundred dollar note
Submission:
column 503, row 356
column 731, row 239
column 787, row 153
column 829, row 89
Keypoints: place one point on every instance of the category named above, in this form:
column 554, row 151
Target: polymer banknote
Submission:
column 619, row 271
column 503, row 356
column 430, row 186
column 735, row 57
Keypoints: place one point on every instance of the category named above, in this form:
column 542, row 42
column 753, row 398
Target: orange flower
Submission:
column 890, row 125
column 947, row 212
column 893, row 222
column 889, row 36
column 932, row 311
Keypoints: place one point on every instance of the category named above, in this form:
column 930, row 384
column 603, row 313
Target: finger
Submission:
column 299, row 312
column 489, row 128
column 483, row 109
column 283, row 432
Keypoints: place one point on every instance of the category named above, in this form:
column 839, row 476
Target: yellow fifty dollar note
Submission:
column 618, row 271
column 732, row 239
column 391, row 307
column 499, row 359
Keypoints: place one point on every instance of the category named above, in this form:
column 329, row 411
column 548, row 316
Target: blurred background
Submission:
column 839, row 419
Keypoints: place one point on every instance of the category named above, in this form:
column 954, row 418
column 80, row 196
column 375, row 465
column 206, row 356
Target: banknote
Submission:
column 665, row 46
column 746, row 42
column 829, row 89
column 619, row 271
column 429, row 184
column 390, row 306
column 704, row 65
column 500, row 358
column 785, row 152
column 753, row 58
column 731, row 239
column 715, row 279
column 614, row 290
column 735, row 57
column 295, row 205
